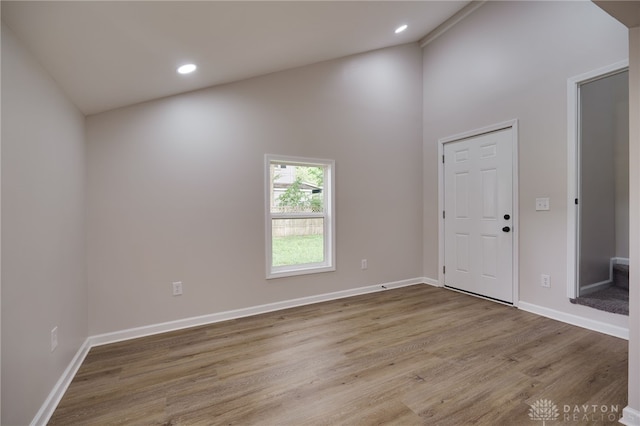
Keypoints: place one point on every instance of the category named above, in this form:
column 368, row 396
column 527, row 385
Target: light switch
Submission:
column 542, row 204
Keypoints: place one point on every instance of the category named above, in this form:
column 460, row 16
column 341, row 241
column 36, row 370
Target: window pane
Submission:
column 297, row 241
column 296, row 189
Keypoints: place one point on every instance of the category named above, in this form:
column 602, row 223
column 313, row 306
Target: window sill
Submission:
column 302, row 270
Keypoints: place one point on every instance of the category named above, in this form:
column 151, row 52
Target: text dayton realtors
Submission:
column 591, row 413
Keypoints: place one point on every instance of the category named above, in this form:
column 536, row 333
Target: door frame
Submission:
column 573, row 169
column 512, row 124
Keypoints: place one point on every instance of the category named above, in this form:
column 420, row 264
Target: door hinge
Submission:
column 444, row 269
column 576, row 201
column 443, row 159
column 443, row 214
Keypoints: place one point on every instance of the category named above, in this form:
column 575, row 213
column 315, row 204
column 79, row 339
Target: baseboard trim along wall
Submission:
column 56, row 394
column 630, row 417
column 46, row 411
column 50, row 404
column 599, row 326
column 592, row 288
column 134, row 333
column 431, row 281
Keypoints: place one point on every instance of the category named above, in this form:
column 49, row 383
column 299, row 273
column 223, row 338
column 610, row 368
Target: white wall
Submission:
column 175, row 187
column 512, row 60
column 43, row 239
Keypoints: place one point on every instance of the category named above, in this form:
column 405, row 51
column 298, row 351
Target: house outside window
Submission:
column 300, row 231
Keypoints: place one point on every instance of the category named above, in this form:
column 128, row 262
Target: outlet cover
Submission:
column 542, row 204
column 177, row 288
column 545, row 280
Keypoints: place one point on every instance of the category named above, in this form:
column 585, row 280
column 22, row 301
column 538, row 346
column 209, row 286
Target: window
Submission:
column 299, row 216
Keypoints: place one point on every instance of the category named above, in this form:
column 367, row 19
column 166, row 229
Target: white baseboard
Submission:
column 431, row 281
column 52, row 401
column 592, row 288
column 134, row 333
column 602, row 327
column 50, row 404
column 630, row 417
column 620, row 261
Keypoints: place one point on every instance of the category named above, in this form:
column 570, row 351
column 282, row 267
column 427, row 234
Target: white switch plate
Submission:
column 177, row 288
column 363, row 264
column 542, row 204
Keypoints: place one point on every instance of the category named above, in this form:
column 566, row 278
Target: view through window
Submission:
column 299, row 219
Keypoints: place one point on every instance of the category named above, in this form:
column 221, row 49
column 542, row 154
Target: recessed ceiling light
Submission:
column 401, row 28
column 187, row 69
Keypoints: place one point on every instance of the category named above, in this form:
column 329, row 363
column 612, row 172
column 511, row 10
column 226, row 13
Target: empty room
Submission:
column 320, row 212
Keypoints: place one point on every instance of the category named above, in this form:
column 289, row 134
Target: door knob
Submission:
column 506, row 229
column 507, row 217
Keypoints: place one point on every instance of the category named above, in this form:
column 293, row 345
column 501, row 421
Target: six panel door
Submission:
column 478, row 215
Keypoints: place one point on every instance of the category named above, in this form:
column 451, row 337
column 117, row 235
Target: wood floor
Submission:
column 417, row 355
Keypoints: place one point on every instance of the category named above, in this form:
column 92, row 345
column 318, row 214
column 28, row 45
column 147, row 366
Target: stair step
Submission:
column 621, row 275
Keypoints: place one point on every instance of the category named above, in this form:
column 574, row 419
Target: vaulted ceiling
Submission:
column 107, row 54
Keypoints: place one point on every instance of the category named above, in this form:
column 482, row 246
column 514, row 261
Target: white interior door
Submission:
column 478, row 215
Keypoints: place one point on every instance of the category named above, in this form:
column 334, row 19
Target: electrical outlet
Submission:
column 542, row 204
column 54, row 338
column 363, row 264
column 545, row 280
column 177, row 288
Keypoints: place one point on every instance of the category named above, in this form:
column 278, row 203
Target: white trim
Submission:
column 619, row 261
column 515, row 199
column 329, row 228
column 431, row 281
column 53, row 399
column 589, row 324
column 56, row 394
column 513, row 124
column 616, row 261
column 630, row 417
column 573, row 190
column 148, row 330
column 451, row 22
column 592, row 288
column 440, row 212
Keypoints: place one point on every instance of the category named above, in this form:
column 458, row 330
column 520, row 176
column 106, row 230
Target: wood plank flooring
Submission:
column 417, row 355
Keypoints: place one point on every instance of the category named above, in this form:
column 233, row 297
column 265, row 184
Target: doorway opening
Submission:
column 599, row 189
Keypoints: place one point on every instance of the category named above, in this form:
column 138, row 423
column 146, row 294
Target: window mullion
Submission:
column 297, row 215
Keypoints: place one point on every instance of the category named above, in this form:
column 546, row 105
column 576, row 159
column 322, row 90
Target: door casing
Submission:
column 573, row 172
column 513, row 124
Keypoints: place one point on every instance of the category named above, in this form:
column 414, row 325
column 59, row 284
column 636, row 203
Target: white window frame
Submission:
column 328, row 218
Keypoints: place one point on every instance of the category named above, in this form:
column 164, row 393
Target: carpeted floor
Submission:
column 611, row 299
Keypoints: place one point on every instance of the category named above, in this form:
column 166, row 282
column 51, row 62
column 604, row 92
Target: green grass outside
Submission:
column 296, row 250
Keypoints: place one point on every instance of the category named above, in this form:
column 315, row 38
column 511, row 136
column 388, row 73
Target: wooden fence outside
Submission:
column 294, row 227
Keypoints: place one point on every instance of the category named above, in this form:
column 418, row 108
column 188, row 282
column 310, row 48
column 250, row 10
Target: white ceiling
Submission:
column 108, row 54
